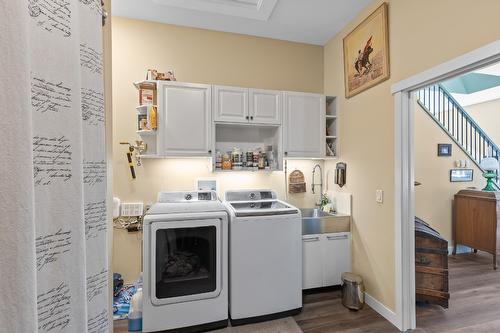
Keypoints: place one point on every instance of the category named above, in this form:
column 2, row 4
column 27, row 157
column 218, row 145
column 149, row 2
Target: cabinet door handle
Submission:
column 336, row 237
column 312, row 239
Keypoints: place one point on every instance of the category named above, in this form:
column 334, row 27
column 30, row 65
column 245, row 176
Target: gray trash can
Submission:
column 353, row 291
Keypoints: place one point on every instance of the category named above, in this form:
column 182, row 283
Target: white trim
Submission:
column 480, row 57
column 404, row 172
column 460, row 249
column 381, row 309
column 255, row 10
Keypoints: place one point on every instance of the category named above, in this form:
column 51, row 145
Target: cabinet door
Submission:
column 185, row 119
column 312, row 263
column 336, row 257
column 231, row 104
column 265, row 106
column 304, row 125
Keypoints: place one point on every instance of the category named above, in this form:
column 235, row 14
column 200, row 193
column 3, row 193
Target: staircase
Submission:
column 457, row 123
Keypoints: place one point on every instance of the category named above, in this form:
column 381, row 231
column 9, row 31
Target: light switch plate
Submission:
column 379, row 196
column 132, row 209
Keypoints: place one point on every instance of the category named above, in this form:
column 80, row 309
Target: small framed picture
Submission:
column 461, row 175
column 444, row 149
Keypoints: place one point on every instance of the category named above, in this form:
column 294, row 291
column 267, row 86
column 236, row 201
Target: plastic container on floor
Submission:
column 135, row 313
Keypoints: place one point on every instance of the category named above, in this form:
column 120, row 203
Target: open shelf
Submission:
column 146, row 132
column 331, row 123
column 248, row 138
column 246, row 170
column 138, row 84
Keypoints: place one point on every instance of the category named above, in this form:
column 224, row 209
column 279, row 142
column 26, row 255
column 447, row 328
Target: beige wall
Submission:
column 206, row 57
column 487, row 116
column 433, row 199
column 452, row 28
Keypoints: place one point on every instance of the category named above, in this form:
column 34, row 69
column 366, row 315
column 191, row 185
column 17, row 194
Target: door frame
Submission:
column 404, row 208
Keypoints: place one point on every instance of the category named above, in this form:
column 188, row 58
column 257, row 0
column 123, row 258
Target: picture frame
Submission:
column 366, row 53
column 461, row 175
column 444, row 149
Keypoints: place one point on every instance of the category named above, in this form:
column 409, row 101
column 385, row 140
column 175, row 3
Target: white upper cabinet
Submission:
column 231, row 104
column 184, row 119
column 265, row 106
column 304, row 125
column 250, row 106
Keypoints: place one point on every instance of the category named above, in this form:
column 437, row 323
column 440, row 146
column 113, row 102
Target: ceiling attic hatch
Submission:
column 251, row 9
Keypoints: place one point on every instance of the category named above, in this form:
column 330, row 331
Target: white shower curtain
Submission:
column 53, row 236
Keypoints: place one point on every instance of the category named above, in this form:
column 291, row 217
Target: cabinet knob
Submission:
column 247, row 117
column 251, row 117
column 286, row 153
column 210, row 151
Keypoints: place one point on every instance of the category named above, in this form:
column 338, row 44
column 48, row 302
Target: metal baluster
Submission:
column 452, row 106
column 462, row 128
column 436, row 104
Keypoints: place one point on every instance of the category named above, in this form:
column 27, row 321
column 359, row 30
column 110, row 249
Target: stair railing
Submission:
column 458, row 124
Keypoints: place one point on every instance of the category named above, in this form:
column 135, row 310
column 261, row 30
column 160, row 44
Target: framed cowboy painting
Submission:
column 366, row 53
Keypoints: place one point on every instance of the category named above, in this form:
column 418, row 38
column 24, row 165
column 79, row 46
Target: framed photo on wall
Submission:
column 444, row 149
column 366, row 53
column 461, row 175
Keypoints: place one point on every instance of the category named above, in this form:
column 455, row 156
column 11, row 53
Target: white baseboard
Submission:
column 381, row 309
column 460, row 249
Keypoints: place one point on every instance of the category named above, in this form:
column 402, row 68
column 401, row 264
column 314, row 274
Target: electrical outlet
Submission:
column 379, row 196
column 132, row 209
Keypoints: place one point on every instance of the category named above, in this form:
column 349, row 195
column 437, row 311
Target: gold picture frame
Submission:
column 366, row 53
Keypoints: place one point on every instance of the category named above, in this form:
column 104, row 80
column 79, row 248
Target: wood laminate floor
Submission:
column 474, row 306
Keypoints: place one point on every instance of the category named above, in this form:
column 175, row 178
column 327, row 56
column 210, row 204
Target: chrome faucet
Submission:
column 313, row 185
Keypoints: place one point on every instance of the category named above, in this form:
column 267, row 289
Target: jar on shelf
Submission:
column 262, row 161
column 256, row 157
column 236, row 159
column 226, row 162
column 249, row 159
column 218, row 160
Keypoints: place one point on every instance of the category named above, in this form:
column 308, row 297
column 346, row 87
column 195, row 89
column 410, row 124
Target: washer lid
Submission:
column 262, row 208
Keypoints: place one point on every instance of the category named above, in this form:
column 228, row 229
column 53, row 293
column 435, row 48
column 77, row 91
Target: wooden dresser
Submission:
column 431, row 265
column 476, row 221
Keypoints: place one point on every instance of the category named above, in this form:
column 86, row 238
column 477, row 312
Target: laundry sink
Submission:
column 316, row 221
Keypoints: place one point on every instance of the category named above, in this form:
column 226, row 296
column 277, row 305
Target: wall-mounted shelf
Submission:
column 146, row 132
column 331, row 122
column 138, row 84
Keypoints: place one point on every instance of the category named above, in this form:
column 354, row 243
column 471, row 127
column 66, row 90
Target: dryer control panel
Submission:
column 170, row 197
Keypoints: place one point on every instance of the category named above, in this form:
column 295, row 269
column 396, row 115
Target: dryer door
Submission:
column 185, row 260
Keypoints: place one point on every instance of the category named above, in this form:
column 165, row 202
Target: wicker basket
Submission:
column 296, row 182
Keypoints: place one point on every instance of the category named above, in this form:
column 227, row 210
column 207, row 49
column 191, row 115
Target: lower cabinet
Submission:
column 325, row 258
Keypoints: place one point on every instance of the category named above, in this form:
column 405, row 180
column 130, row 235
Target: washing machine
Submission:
column 265, row 265
column 185, row 259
